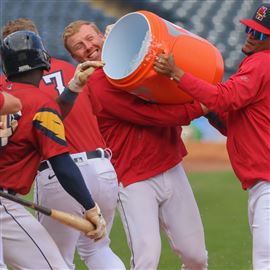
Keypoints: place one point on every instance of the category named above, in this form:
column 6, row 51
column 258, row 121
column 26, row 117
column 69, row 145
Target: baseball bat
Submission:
column 75, row 222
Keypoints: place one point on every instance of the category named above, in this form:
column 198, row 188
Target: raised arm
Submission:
column 67, row 98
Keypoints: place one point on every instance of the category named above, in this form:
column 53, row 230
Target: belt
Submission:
column 89, row 155
column 9, row 191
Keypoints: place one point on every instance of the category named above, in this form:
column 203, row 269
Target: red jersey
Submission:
column 244, row 104
column 1, row 100
column 82, row 132
column 145, row 138
column 40, row 135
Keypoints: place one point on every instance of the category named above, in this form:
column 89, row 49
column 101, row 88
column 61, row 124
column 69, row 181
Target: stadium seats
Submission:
column 51, row 17
column 217, row 21
column 214, row 20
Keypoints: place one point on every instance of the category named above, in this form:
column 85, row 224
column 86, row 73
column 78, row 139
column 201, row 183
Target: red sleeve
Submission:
column 235, row 93
column 49, row 131
column 127, row 107
column 2, row 99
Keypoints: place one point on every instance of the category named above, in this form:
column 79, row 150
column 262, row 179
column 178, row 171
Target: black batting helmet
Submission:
column 22, row 51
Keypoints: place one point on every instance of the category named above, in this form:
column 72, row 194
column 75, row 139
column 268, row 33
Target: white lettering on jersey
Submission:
column 55, row 78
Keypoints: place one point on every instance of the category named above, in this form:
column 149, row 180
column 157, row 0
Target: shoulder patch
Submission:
column 49, row 122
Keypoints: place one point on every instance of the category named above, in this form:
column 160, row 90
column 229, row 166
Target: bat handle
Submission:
column 78, row 223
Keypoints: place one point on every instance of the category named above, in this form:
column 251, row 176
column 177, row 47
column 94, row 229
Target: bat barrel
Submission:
column 70, row 220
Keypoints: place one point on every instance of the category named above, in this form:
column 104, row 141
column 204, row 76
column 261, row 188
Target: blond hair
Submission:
column 18, row 25
column 74, row 27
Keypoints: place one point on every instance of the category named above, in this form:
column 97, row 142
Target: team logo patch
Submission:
column 50, row 124
column 261, row 13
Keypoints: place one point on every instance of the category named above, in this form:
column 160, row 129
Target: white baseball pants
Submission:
column 165, row 201
column 101, row 180
column 26, row 243
column 259, row 222
column 2, row 264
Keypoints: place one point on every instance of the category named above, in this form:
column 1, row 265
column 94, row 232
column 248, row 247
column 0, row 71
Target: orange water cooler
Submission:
column 137, row 38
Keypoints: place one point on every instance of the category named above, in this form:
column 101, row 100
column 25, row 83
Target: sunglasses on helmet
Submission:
column 256, row 34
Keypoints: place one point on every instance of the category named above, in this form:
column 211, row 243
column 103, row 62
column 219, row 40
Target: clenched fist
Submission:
column 82, row 72
column 95, row 217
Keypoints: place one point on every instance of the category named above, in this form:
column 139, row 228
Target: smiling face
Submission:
column 253, row 45
column 86, row 44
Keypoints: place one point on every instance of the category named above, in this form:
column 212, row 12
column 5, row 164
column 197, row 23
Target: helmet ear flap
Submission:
column 23, row 51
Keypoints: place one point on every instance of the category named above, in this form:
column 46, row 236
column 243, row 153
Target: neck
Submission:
column 32, row 77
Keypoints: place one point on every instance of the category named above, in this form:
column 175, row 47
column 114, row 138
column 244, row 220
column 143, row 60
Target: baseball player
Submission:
column 88, row 150
column 146, row 141
column 243, row 103
column 40, row 135
column 8, row 104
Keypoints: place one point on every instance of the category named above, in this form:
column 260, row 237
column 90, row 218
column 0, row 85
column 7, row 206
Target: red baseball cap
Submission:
column 261, row 19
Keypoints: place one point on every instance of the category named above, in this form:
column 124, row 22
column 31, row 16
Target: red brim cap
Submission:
column 256, row 26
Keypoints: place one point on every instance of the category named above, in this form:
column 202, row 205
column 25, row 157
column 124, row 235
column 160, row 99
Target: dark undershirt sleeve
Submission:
column 71, row 179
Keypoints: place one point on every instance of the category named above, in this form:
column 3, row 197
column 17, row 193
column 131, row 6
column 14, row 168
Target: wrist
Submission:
column 74, row 86
column 176, row 75
column 68, row 96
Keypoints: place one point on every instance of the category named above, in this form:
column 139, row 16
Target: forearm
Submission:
column 70, row 177
column 66, row 101
column 200, row 90
column 10, row 104
column 193, row 110
column 75, row 86
column 127, row 107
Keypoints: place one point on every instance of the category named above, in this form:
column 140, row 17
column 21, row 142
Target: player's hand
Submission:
column 95, row 217
column 8, row 125
column 108, row 30
column 81, row 75
column 165, row 64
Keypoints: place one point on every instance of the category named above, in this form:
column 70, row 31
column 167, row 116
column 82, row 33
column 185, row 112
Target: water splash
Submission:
column 134, row 63
column 149, row 49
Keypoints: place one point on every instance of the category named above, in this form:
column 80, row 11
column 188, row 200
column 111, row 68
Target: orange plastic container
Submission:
column 133, row 44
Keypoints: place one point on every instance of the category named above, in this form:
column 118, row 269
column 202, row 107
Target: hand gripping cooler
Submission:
column 137, row 38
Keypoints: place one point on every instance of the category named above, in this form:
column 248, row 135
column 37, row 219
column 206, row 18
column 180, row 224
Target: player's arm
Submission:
column 75, row 86
column 128, row 107
column 66, row 101
column 48, row 129
column 70, row 177
column 10, row 104
column 240, row 90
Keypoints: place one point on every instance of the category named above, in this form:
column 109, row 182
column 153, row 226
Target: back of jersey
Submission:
column 82, row 132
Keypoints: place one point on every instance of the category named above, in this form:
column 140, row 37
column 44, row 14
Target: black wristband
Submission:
column 68, row 96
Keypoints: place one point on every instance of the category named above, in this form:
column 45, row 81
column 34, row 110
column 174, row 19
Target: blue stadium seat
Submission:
column 215, row 20
column 51, row 17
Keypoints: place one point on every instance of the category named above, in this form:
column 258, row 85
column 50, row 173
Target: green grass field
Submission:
column 223, row 206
